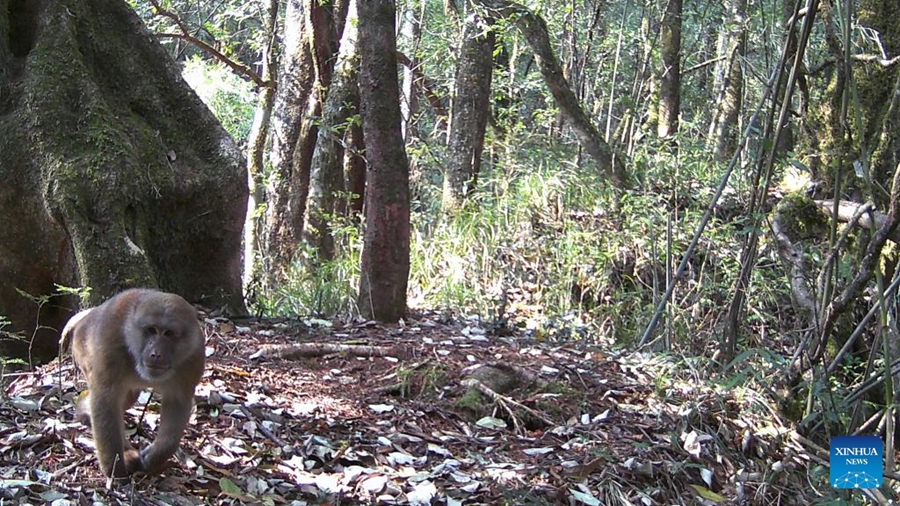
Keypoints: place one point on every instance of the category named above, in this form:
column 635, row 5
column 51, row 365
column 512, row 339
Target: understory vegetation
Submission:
column 540, row 247
column 545, row 245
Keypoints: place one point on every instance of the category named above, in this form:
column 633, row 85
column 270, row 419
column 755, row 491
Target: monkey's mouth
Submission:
column 156, row 370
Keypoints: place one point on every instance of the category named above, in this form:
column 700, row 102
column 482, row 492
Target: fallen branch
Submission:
column 847, row 210
column 796, row 267
column 289, row 351
column 261, row 427
column 484, row 389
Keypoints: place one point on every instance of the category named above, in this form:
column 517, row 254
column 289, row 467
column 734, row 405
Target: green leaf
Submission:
column 229, row 487
column 707, row 493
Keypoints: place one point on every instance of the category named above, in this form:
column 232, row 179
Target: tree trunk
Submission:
column 534, row 30
column 256, row 142
column 354, row 161
column 730, row 85
column 878, row 89
column 323, row 21
column 385, row 256
column 469, row 111
column 114, row 173
column 411, row 31
column 670, row 71
column 326, row 176
column 285, row 192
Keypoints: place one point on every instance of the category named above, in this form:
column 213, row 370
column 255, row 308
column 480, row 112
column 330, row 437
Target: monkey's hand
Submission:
column 136, row 461
column 133, row 461
column 144, row 462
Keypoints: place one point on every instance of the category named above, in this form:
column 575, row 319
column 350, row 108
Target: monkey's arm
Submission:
column 174, row 416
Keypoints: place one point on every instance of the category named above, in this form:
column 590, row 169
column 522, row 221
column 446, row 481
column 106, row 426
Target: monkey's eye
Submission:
column 152, row 331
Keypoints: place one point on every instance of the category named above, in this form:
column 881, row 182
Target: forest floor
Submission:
column 434, row 411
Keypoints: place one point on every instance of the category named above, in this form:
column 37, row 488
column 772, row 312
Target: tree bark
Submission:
column 385, row 256
column 286, row 190
column 534, row 30
column 730, row 85
column 114, row 173
column 354, row 162
column 256, row 142
column 411, row 31
column 323, row 20
column 469, row 111
column 670, row 71
column 326, row 176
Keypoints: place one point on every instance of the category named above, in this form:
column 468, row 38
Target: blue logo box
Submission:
column 856, row 462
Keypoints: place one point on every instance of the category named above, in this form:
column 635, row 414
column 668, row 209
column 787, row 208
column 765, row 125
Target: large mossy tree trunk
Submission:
column 385, row 257
column 114, row 173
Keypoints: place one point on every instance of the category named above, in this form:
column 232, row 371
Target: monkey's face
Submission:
column 159, row 343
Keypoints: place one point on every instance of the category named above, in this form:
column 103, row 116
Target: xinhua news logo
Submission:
column 856, row 461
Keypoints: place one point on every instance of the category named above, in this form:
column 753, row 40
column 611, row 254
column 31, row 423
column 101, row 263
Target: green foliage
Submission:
column 234, row 27
column 538, row 241
column 229, row 97
column 81, row 293
column 317, row 287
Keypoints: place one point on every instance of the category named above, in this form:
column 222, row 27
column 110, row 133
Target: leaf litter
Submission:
column 430, row 411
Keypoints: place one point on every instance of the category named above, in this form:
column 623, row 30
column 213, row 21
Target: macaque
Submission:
column 138, row 339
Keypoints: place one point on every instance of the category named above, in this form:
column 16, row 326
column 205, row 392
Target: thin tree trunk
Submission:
column 469, row 111
column 326, row 177
column 615, row 74
column 429, row 89
column 727, row 129
column 354, row 160
column 643, row 85
column 534, row 30
column 256, row 142
column 729, row 85
column 411, row 31
column 670, row 71
column 385, row 257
